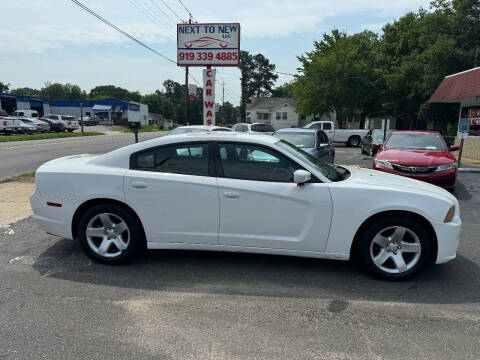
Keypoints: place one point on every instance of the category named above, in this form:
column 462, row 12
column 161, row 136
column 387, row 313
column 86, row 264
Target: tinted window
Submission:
column 322, row 137
column 262, row 128
column 221, row 129
column 20, row 114
column 415, row 141
column 250, row 162
column 327, row 126
column 314, row 126
column 179, row 159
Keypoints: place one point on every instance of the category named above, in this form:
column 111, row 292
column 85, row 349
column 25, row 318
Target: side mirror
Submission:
column 378, row 146
column 301, row 177
column 454, row 148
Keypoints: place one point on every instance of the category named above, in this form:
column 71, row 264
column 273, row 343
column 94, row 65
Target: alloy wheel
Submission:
column 107, row 235
column 395, row 249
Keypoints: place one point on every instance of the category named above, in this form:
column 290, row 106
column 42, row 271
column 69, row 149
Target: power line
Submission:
column 188, row 11
column 78, row 3
column 144, row 10
column 173, row 12
column 163, row 12
column 283, row 73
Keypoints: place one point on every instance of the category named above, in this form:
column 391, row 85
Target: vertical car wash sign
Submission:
column 209, row 97
column 208, row 44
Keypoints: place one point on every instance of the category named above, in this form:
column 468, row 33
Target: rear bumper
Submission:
column 445, row 179
column 448, row 239
column 53, row 220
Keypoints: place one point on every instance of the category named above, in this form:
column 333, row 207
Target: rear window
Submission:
column 69, row 118
column 415, row 141
column 262, row 128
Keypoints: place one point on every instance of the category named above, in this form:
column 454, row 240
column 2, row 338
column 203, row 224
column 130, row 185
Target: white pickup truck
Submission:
column 9, row 126
column 351, row 137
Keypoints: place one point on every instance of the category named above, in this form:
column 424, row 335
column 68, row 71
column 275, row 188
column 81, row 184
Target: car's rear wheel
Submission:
column 395, row 248
column 354, row 141
column 109, row 234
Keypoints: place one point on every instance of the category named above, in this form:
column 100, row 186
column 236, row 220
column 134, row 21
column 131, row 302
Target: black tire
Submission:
column 365, row 243
column 136, row 239
column 354, row 141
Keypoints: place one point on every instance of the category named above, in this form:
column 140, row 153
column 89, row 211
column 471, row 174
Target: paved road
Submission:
column 23, row 156
column 56, row 303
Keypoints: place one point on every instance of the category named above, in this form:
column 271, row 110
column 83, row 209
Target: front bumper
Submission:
column 445, row 179
column 448, row 239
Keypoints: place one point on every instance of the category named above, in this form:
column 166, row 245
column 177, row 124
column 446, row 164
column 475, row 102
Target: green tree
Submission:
column 227, row 114
column 4, row 87
column 284, row 90
column 111, row 91
column 258, row 77
column 339, row 75
column 160, row 104
column 26, row 91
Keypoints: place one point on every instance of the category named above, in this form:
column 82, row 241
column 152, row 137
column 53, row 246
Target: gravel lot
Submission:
column 56, row 303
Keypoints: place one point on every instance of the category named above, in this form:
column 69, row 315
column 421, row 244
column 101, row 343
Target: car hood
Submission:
column 416, row 157
column 370, row 177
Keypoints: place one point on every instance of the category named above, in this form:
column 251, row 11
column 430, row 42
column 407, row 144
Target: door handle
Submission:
column 231, row 195
column 139, row 184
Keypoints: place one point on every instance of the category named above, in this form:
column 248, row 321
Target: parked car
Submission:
column 25, row 114
column 40, row 126
column 421, row 155
column 9, row 125
column 69, row 122
column 87, row 121
column 246, row 193
column 254, row 128
column 55, row 125
column 372, row 141
column 197, row 129
column 27, row 127
column 314, row 142
column 351, row 137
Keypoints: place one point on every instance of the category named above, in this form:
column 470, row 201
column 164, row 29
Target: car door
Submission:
column 327, row 127
column 174, row 191
column 261, row 207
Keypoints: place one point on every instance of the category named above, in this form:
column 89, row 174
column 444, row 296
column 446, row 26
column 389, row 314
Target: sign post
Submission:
column 216, row 44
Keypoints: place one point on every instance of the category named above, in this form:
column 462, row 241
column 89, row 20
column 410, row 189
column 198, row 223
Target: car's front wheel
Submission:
column 395, row 248
column 109, row 234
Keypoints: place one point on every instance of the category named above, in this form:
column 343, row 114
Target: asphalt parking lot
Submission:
column 56, row 303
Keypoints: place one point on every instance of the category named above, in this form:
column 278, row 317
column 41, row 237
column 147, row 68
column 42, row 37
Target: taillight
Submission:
column 69, row 123
column 5, row 123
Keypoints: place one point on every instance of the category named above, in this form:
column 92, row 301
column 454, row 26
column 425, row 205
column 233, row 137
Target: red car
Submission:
column 422, row 155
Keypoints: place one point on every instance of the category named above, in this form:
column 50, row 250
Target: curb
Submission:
column 469, row 170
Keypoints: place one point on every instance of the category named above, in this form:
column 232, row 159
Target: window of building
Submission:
column 278, row 115
column 251, row 162
column 284, row 116
column 178, row 159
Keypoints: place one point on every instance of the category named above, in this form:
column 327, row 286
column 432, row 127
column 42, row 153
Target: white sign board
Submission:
column 192, row 90
column 462, row 135
column 208, row 44
column 209, row 97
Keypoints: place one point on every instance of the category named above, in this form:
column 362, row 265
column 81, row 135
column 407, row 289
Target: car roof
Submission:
column 415, row 132
column 206, row 127
column 298, row 130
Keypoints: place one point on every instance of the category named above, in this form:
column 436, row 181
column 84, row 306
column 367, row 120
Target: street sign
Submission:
column 215, row 44
column 192, row 98
column 192, row 90
column 464, row 128
column 462, row 135
column 209, row 97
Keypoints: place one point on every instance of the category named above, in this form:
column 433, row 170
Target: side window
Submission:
column 322, row 137
column 327, row 126
column 188, row 159
column 251, row 162
column 20, row 113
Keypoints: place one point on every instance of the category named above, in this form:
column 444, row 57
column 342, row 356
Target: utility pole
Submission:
column 477, row 49
column 223, row 94
column 81, row 116
column 186, row 85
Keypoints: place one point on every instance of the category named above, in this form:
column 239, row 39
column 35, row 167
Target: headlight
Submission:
column 383, row 163
column 450, row 214
column 446, row 167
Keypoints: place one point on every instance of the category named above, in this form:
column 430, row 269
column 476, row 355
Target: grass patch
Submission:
column 22, row 137
column 22, row 177
column 148, row 128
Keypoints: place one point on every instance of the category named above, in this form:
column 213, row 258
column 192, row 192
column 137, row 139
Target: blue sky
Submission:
column 56, row 41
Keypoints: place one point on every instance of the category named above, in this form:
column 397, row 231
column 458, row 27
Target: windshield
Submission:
column 262, row 128
column 415, row 141
column 69, row 118
column 378, row 134
column 298, row 139
column 330, row 172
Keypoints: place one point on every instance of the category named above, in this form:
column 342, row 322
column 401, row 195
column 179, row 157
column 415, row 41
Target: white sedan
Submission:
column 244, row 193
